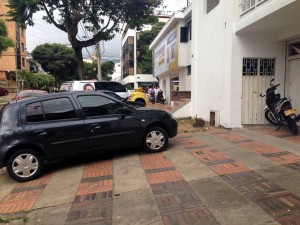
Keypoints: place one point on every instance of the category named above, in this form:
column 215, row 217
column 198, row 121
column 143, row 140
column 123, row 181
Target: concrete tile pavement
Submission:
column 245, row 176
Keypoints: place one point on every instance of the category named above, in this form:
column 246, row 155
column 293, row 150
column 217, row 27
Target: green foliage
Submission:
column 38, row 81
column 57, row 59
column 107, row 68
column 104, row 18
column 145, row 57
column 5, row 41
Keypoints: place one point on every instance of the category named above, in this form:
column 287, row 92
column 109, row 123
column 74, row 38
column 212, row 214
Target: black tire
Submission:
column 32, row 168
column 156, row 139
column 292, row 125
column 143, row 103
column 270, row 118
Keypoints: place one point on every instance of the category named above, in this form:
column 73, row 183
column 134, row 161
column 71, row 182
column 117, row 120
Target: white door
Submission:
column 293, row 83
column 257, row 74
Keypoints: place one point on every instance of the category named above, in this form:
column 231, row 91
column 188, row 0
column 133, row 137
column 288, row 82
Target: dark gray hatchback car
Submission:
column 63, row 125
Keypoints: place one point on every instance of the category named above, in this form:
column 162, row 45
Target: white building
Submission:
column 237, row 47
column 116, row 76
column 132, row 76
column 171, row 52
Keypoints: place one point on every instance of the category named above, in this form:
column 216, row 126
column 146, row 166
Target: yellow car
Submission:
column 138, row 96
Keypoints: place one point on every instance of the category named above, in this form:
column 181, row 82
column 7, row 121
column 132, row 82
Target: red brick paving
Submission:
column 162, row 177
column 95, row 187
column 259, row 148
column 21, row 198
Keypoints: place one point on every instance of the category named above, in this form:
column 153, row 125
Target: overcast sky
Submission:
column 42, row 32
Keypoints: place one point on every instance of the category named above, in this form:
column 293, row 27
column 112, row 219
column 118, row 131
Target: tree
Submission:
column 107, row 68
column 36, row 80
column 103, row 18
column 145, row 55
column 5, row 41
column 58, row 59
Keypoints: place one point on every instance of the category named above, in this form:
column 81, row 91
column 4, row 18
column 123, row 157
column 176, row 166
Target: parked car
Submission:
column 3, row 91
column 29, row 94
column 139, row 97
column 125, row 100
column 35, row 131
column 82, row 85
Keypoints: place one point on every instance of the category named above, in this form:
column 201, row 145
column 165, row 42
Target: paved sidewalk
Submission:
column 245, row 176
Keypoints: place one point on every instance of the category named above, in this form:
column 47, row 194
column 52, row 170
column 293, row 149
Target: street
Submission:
column 219, row 176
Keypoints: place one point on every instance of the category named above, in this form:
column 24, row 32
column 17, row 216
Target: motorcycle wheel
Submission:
column 270, row 118
column 292, row 125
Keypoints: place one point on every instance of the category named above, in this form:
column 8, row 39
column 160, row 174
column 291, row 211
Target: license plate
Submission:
column 290, row 112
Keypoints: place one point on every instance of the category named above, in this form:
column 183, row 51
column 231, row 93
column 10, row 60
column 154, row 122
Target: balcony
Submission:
column 276, row 18
column 248, row 5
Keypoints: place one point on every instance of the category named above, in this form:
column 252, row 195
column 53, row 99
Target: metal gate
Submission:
column 257, row 74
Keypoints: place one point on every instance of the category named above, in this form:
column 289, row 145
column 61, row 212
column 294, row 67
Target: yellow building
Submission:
column 13, row 59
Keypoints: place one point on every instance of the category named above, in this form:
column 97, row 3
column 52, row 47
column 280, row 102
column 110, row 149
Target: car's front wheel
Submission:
column 155, row 140
column 24, row 165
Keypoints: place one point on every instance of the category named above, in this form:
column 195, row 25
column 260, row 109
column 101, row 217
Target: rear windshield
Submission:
column 66, row 86
column 110, row 86
column 9, row 115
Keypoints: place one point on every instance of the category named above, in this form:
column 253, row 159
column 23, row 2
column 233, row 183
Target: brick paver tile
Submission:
column 229, row 168
column 94, row 187
column 161, row 177
column 260, row 148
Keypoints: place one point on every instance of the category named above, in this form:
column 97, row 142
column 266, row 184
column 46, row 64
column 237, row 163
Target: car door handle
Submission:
column 40, row 132
column 96, row 126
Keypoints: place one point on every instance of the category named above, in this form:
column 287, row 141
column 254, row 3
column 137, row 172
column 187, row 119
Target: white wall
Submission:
column 211, row 62
column 217, row 61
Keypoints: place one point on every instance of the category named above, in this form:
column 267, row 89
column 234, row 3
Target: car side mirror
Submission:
column 126, row 110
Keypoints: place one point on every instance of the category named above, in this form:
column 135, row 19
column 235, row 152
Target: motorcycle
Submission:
column 279, row 111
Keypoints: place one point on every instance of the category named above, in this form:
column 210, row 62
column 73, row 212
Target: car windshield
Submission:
column 114, row 95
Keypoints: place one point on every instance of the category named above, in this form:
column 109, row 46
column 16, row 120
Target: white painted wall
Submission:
column 217, row 61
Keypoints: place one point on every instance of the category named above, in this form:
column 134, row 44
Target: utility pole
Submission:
column 98, row 54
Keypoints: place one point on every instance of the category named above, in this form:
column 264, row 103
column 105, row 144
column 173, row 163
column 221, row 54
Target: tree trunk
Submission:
column 79, row 58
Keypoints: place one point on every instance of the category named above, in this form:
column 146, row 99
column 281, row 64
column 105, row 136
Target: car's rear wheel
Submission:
column 141, row 101
column 24, row 165
column 155, row 140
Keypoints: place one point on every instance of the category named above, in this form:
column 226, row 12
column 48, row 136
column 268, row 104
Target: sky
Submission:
column 42, row 33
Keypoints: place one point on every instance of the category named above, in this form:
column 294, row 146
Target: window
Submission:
column 186, row 32
column 110, row 86
column 23, row 62
column 211, row 4
column 34, row 112
column 258, row 66
column 59, row 109
column 99, row 106
column 55, row 109
column 189, row 70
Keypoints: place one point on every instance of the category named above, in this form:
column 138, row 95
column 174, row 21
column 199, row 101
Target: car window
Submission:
column 59, row 109
column 34, row 112
column 54, row 109
column 110, row 86
column 66, row 86
column 99, row 105
column 113, row 94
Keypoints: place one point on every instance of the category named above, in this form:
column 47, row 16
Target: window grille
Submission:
column 258, row 66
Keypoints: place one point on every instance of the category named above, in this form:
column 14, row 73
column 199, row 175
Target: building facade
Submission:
column 171, row 51
column 13, row 59
column 238, row 47
column 132, row 75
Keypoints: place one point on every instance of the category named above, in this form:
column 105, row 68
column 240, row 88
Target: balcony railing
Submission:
column 248, row 5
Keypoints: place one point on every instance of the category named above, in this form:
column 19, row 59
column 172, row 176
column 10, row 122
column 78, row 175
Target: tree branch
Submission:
column 59, row 26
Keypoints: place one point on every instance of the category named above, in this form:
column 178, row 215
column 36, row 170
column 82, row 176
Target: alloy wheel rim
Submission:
column 155, row 140
column 25, row 165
